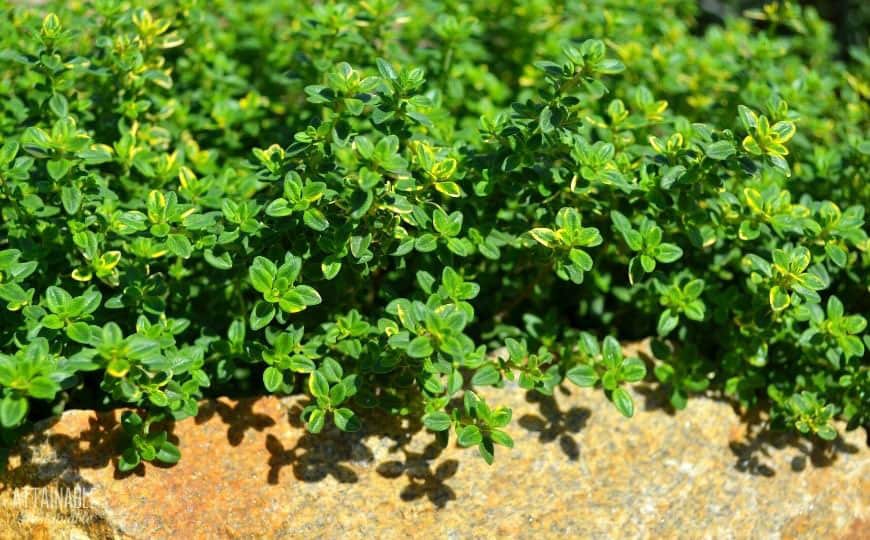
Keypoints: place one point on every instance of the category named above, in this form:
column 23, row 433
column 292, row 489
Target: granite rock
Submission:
column 249, row 470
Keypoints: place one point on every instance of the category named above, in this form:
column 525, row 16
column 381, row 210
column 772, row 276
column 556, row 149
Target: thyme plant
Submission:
column 392, row 204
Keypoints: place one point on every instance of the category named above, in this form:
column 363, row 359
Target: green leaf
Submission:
column 128, row 460
column 272, row 379
column 59, row 105
column 647, row 263
column 71, row 198
column 300, row 364
column 664, row 373
column 179, row 245
column 222, row 262
column 12, row 411
column 262, row 273
column 610, row 66
column 279, row 208
column 500, row 437
column 15, row 296
column 58, row 168
column 292, row 302
column 582, row 375
column 79, row 332
column 826, row 432
column 308, row 295
column 668, row 253
column 337, row 395
column 837, row 254
column 720, row 150
column 487, row 451
column 620, row 222
column 581, row 259
column 420, row 347
column 695, row 310
column 330, row 269
column 168, row 453
column 500, row 417
column 623, row 402
column 633, row 370
column 437, row 421
column 426, row 243
column 748, row 118
column 544, row 236
column 779, row 299
column 316, row 421
column 454, row 382
column 315, row 219
column 447, row 225
column 57, row 299
column 261, row 315
column 131, row 422
column 158, row 398
column 332, row 370
column 459, row 246
column 469, row 436
column 694, row 288
column 385, row 69
column 610, row 379
column 488, row 375
column 318, row 385
column 588, row 237
column 611, row 352
column 42, row 388
column 678, row 399
column 451, row 189
column 668, row 320
column 346, row 420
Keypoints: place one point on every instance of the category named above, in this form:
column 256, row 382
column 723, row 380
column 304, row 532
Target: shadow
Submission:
column 332, row 453
column 754, row 452
column 44, row 456
column 239, row 417
column 95, row 447
column 656, row 398
column 554, row 424
column 314, row 458
column 422, row 480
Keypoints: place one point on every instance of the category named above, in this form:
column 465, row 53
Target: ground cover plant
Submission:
column 390, row 205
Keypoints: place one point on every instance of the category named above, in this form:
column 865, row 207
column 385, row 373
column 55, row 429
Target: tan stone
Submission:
column 578, row 470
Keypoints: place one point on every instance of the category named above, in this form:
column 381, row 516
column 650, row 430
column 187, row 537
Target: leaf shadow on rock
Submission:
column 239, row 417
column 312, row 460
column 95, row 447
column 423, row 481
column 339, row 455
column 554, row 424
column 754, row 449
column 655, row 397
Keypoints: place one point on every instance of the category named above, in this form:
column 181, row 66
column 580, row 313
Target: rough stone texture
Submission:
column 578, row 470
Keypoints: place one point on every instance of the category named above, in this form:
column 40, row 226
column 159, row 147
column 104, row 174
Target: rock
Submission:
column 249, row 470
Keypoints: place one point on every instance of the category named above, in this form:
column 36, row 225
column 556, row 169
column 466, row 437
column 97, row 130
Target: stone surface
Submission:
column 578, row 470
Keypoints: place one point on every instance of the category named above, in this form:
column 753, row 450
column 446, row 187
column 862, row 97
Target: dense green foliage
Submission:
column 390, row 204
